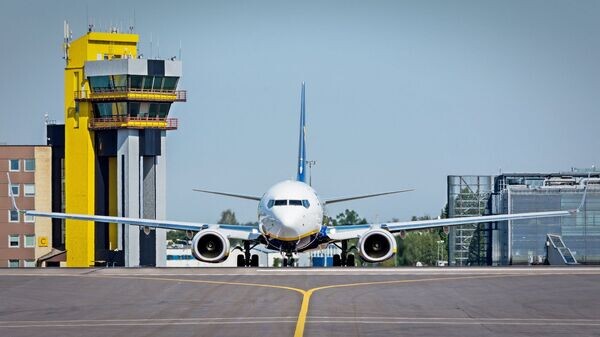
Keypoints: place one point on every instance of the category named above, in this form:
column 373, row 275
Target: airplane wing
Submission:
column 231, row 231
column 332, row 201
column 337, row 233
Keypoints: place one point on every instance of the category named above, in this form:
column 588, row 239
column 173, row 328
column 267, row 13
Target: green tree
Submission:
column 228, row 217
column 348, row 217
column 175, row 235
column 422, row 246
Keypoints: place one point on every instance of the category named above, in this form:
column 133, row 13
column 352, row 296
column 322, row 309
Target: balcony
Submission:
column 130, row 94
column 126, row 122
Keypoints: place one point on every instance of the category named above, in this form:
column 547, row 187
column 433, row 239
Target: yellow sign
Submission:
column 43, row 241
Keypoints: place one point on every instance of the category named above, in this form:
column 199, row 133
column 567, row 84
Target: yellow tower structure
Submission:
column 107, row 110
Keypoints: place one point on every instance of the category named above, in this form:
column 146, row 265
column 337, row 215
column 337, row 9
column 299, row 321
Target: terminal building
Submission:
column 525, row 241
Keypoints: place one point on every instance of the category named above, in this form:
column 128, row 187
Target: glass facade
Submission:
column 580, row 232
column 132, row 82
column 131, row 109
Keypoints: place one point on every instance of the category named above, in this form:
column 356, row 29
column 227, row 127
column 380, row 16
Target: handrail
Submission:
column 129, row 122
column 180, row 95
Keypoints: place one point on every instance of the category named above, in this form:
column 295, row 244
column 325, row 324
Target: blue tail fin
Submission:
column 302, row 147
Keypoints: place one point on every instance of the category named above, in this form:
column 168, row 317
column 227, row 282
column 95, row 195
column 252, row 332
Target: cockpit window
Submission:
column 281, row 202
column 270, row 203
column 295, row 202
column 305, row 203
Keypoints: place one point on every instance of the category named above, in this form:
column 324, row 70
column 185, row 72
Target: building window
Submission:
column 29, row 241
column 29, row 263
column 29, row 190
column 13, row 190
column 13, row 263
column 13, row 215
column 29, row 165
column 28, row 218
column 14, row 165
column 13, row 241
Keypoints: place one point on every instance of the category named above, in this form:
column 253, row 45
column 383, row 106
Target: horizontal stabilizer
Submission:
column 241, row 196
column 332, row 201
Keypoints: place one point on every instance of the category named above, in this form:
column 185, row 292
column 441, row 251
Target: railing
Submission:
column 108, row 94
column 126, row 122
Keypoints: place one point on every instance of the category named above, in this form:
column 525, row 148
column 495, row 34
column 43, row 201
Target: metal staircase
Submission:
column 557, row 252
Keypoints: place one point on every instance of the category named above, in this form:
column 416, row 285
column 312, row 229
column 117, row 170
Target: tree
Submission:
column 175, row 235
column 348, row 217
column 422, row 246
column 228, row 217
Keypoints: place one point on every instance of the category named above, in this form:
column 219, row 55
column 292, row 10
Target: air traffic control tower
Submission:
column 116, row 117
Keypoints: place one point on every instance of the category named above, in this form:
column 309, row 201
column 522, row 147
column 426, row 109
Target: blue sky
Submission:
column 399, row 93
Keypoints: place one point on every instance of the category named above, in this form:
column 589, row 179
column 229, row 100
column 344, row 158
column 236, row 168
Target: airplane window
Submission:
column 270, row 204
column 295, row 202
column 280, row 202
column 305, row 203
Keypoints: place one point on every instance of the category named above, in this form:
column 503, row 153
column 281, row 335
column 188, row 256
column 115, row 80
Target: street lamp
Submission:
column 439, row 251
column 310, row 165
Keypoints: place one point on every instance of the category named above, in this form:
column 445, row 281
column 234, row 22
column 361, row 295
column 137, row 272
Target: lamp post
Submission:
column 439, row 251
column 310, row 165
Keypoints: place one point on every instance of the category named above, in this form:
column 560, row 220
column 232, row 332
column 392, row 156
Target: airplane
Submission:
column 291, row 220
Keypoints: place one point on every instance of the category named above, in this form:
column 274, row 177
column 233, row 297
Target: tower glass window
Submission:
column 170, row 83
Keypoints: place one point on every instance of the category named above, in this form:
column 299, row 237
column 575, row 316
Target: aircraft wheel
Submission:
column 254, row 261
column 285, row 262
column 337, row 260
column 350, row 260
column 241, row 261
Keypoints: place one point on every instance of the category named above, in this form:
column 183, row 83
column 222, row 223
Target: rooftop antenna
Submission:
column 66, row 41
column 179, row 50
column 157, row 47
column 132, row 24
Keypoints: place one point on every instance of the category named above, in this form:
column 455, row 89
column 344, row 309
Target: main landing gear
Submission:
column 247, row 259
column 344, row 259
column 289, row 260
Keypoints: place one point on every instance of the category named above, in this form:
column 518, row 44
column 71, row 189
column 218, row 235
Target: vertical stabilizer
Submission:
column 302, row 140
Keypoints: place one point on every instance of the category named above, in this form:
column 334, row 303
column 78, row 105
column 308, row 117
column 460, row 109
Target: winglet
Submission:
column 582, row 203
column 302, row 141
column 10, row 194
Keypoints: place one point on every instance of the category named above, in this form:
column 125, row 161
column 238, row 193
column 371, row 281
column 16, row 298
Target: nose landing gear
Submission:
column 289, row 260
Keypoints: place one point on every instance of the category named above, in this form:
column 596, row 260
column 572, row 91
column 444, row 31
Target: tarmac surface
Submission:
column 536, row 301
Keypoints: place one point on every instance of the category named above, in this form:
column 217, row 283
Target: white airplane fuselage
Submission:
column 290, row 215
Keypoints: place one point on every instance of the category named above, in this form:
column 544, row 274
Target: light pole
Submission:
column 310, row 165
column 439, row 251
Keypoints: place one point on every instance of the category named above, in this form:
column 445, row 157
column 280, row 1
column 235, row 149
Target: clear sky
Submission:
column 400, row 94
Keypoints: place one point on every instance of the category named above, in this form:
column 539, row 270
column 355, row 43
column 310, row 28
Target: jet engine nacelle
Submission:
column 210, row 246
column 377, row 245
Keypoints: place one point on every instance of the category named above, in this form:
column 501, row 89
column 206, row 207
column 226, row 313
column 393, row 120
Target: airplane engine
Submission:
column 377, row 245
column 210, row 246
